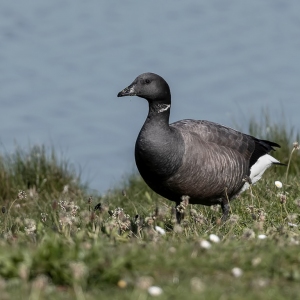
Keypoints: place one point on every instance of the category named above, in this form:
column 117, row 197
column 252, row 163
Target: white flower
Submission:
column 205, row 244
column 66, row 189
column 214, row 238
column 292, row 224
column 160, row 230
column 262, row 236
column 278, row 184
column 155, row 290
column 237, row 272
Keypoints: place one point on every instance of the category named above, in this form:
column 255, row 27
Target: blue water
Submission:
column 62, row 63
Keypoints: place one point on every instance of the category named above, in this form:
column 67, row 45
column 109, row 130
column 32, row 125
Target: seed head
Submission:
column 90, row 200
column 282, row 198
column 183, row 204
column 22, row 195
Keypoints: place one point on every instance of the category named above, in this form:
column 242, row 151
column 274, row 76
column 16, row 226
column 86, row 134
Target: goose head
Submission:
column 149, row 86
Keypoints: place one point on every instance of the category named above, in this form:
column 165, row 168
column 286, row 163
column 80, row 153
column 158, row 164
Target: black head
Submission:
column 150, row 86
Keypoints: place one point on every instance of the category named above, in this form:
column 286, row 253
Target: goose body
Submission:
column 203, row 160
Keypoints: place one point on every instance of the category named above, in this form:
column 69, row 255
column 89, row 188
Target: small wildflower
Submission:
column 282, row 198
column 256, row 261
column 233, row 219
column 261, row 216
column 297, row 202
column 160, row 230
column 215, row 208
column 40, row 282
column 183, row 204
column 237, row 272
column 248, row 234
column 32, row 192
column 172, row 250
column 149, row 221
column 144, row 282
column 65, row 220
column 262, row 236
column 214, row 238
column 121, row 219
column 78, row 269
column 155, row 291
column 294, row 241
column 90, row 200
column 296, row 145
column 292, row 224
column 197, row 285
column 175, row 280
column 260, row 282
column 44, row 217
column 122, row 284
column 197, row 217
column 22, row 195
column 278, row 184
column 292, row 217
column 185, row 223
column 205, row 244
column 30, row 226
column 66, row 189
column 177, row 228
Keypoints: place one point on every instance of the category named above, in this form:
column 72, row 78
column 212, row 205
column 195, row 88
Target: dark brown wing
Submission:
column 216, row 158
column 248, row 146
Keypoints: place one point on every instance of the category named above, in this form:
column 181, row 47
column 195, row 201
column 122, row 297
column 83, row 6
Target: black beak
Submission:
column 128, row 91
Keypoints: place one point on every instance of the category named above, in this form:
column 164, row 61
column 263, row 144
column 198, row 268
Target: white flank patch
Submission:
column 258, row 169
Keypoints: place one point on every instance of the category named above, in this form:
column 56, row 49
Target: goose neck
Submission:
column 159, row 111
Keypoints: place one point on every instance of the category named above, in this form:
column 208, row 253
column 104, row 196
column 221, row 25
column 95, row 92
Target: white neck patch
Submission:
column 163, row 107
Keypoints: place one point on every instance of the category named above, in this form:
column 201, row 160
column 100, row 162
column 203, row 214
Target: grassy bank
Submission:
column 54, row 245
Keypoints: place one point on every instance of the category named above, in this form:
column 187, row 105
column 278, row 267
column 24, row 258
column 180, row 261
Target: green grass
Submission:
column 53, row 245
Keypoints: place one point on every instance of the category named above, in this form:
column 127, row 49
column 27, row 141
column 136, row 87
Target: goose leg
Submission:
column 226, row 209
column 179, row 213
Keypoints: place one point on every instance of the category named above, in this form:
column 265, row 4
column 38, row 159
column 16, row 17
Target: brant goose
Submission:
column 205, row 161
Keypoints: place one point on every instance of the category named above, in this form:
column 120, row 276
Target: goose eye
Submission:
column 147, row 81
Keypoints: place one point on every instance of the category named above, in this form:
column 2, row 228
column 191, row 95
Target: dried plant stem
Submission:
column 228, row 200
column 285, row 209
column 288, row 166
column 8, row 215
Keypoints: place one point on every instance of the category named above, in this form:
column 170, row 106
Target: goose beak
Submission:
column 128, row 91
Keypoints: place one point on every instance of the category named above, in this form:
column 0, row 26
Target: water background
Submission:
column 62, row 63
